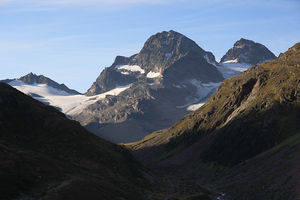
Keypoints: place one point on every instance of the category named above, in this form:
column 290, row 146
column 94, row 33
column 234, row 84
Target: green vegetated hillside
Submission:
column 44, row 155
column 248, row 132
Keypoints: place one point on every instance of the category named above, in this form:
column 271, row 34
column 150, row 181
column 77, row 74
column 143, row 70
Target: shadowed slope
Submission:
column 44, row 155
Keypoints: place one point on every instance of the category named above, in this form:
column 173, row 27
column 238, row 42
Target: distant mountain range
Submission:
column 170, row 77
column 170, row 73
column 243, row 143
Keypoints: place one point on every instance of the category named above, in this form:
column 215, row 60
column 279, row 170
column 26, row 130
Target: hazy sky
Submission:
column 71, row 41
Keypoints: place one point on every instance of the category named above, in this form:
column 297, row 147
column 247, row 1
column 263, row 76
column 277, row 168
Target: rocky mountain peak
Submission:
column 248, row 51
column 32, row 78
column 169, row 42
column 170, row 73
column 243, row 42
column 163, row 55
column 163, row 49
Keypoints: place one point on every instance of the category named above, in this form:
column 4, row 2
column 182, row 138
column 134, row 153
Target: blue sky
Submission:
column 71, row 41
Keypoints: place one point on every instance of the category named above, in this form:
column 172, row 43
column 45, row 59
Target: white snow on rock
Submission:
column 40, row 89
column 208, row 60
column 231, row 61
column 229, row 69
column 152, row 74
column 194, row 107
column 204, row 90
column 131, row 68
column 69, row 104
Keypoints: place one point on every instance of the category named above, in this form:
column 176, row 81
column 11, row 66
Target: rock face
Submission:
column 44, row 155
column 40, row 79
column 168, row 74
column 160, row 52
column 247, row 51
column 250, row 126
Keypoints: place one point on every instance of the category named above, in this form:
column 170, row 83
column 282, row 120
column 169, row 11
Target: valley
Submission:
column 187, row 128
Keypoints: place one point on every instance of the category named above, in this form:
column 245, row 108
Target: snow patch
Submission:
column 131, row 68
column 69, row 104
column 208, row 60
column 194, row 107
column 231, row 61
column 152, row 74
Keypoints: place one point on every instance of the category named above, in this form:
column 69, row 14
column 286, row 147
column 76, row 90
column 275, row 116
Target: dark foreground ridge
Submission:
column 44, row 155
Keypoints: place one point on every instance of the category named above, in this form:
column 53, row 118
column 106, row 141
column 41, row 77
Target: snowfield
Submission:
column 204, row 90
column 131, row 68
column 39, row 89
column 231, row 68
column 69, row 104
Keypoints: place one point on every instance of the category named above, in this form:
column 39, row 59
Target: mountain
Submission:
column 168, row 75
column 162, row 56
column 33, row 79
column 242, row 56
column 248, row 133
column 247, row 51
column 44, row 155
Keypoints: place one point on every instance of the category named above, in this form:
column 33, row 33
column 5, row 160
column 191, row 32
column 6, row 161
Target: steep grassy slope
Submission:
column 249, row 114
column 44, row 155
